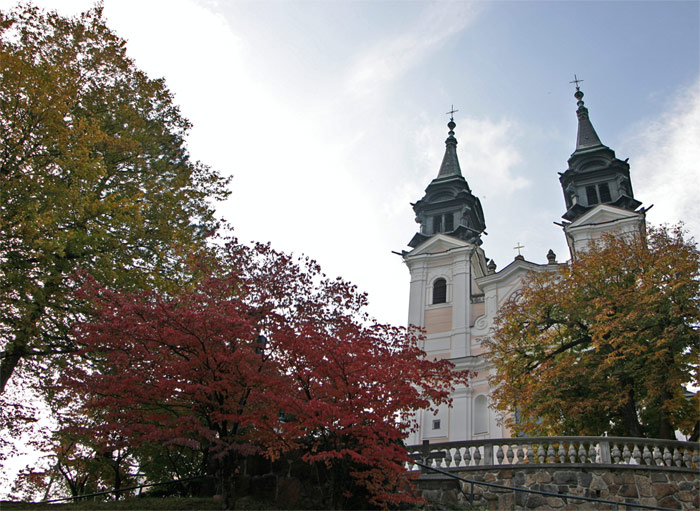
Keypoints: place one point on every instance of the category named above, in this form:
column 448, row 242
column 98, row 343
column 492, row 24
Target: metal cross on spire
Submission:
column 576, row 81
column 518, row 247
column 452, row 112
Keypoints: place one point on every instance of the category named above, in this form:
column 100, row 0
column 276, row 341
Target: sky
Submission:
column 330, row 116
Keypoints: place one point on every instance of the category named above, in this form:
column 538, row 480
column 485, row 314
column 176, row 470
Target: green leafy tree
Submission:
column 608, row 343
column 94, row 176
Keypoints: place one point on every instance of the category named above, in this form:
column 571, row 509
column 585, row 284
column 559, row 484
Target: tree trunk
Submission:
column 15, row 352
column 666, row 430
column 629, row 416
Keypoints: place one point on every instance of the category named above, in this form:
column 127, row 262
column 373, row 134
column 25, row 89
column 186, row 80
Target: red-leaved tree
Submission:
column 264, row 357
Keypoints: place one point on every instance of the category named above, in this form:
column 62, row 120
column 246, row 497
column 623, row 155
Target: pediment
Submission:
column 601, row 214
column 515, row 271
column 437, row 244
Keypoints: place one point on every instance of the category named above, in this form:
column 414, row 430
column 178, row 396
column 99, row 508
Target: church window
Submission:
column 604, row 191
column 440, row 291
column 436, row 424
column 481, row 415
column 437, row 223
column 449, row 222
column 591, row 195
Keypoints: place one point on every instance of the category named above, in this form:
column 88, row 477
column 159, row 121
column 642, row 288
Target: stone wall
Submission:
column 669, row 488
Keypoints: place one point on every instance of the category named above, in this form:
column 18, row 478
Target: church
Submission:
column 456, row 291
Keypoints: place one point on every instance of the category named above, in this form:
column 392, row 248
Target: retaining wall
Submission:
column 665, row 488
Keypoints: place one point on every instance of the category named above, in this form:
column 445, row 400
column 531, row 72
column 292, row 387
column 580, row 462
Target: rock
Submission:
column 670, row 503
column 609, row 478
column 661, row 490
column 535, row 501
column 628, row 490
column 627, row 478
column 506, row 501
column 684, row 496
column 565, row 477
column 543, row 477
column 689, row 485
column 555, row 502
column 552, row 488
column 598, row 483
column 518, row 479
column 644, row 486
column 584, row 478
column 657, row 477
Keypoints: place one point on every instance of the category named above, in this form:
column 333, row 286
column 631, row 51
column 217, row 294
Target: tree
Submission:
column 606, row 344
column 94, row 176
column 74, row 466
column 265, row 357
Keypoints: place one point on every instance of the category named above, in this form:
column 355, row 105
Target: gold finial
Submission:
column 518, row 247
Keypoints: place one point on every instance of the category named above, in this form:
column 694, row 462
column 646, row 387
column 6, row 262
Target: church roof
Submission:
column 587, row 137
column 450, row 162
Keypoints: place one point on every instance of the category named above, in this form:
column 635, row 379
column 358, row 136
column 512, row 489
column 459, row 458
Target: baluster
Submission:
column 467, row 457
column 592, row 453
column 646, row 455
column 499, row 454
column 667, row 457
column 637, row 455
column 696, row 459
column 550, row 454
column 656, row 454
column 626, row 455
column 616, row 454
column 458, row 457
column 477, row 456
column 677, row 458
column 530, row 454
column 572, row 453
column 561, row 453
column 581, row 453
column 687, row 459
column 520, row 455
column 448, row 458
column 540, row 453
column 510, row 454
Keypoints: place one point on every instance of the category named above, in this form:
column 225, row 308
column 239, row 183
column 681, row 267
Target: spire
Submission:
column 449, row 207
column 450, row 163
column 595, row 176
column 587, row 137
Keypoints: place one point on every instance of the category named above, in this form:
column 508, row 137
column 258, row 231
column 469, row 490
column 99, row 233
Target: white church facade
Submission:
column 456, row 292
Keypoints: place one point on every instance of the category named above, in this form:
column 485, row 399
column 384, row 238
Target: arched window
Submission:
column 440, row 291
column 481, row 415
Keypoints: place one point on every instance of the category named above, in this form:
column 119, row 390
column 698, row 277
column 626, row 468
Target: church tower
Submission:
column 445, row 298
column 455, row 295
column 597, row 189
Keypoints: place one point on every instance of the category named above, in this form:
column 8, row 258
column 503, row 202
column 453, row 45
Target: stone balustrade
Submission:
column 643, row 453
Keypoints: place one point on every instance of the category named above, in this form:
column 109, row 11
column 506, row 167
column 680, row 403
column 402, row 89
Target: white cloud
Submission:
column 665, row 170
column 491, row 158
column 388, row 59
